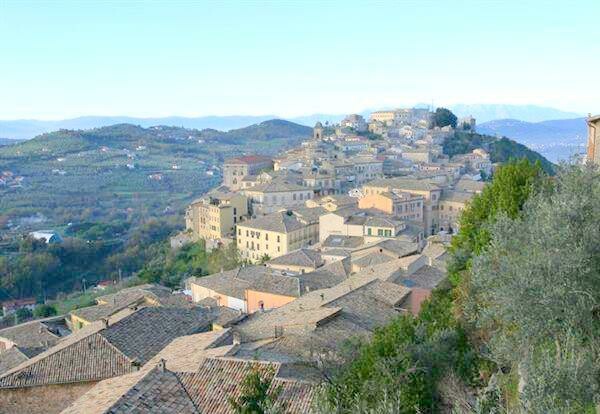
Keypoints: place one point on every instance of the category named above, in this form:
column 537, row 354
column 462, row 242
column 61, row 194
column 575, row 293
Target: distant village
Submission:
column 337, row 237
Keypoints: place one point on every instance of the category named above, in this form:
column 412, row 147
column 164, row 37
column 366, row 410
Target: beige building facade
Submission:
column 235, row 169
column 274, row 235
column 215, row 216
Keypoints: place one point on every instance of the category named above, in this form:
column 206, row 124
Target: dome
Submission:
column 318, row 125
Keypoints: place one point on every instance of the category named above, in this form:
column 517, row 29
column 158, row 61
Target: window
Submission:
column 369, row 231
column 380, row 232
column 267, row 236
column 247, row 233
column 388, row 233
column 278, row 239
column 239, row 232
column 278, row 249
column 294, row 196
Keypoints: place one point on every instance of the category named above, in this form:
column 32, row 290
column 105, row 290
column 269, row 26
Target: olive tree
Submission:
column 535, row 291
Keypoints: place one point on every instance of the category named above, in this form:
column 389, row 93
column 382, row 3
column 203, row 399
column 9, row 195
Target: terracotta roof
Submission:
column 372, row 259
column 280, row 222
column 427, row 277
column 122, row 394
column 10, row 358
column 404, row 183
column 97, row 352
column 300, row 257
column 220, row 379
column 209, row 389
column 38, row 334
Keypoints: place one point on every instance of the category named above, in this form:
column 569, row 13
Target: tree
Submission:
column 444, row 117
column 22, row 314
column 44, row 311
column 257, row 394
column 511, row 186
column 535, row 295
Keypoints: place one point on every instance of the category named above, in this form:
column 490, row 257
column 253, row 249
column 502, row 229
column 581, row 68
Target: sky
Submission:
column 288, row 58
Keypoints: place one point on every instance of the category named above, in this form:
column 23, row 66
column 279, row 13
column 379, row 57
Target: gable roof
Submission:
column 300, row 257
column 280, row 222
column 120, row 394
column 10, row 358
column 97, row 352
column 205, row 390
column 39, row 334
column 404, row 183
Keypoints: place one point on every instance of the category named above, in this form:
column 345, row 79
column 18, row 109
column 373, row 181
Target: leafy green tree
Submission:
column 44, row 311
column 511, row 186
column 258, row 396
column 444, row 117
column 22, row 314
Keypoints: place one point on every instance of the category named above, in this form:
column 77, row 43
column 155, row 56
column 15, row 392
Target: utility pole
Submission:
column 83, row 280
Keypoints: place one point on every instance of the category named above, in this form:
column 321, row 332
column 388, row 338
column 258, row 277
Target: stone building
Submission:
column 235, row 169
column 593, row 148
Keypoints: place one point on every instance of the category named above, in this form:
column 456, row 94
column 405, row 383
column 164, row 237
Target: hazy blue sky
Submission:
column 65, row 59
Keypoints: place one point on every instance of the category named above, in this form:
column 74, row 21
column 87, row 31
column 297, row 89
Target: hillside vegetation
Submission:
column 125, row 171
column 501, row 150
column 115, row 194
column 515, row 330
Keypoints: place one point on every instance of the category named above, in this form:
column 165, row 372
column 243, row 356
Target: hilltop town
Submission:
column 336, row 237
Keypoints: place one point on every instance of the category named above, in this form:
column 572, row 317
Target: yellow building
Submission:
column 277, row 234
column 430, row 191
column 406, row 206
column 214, row 216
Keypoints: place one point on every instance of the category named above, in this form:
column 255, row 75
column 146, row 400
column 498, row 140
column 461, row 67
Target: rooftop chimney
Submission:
column 105, row 322
column 162, row 365
column 237, row 338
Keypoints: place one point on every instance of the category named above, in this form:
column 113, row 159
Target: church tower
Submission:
column 318, row 131
column 593, row 149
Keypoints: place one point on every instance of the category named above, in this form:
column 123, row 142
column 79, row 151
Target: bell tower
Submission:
column 318, row 132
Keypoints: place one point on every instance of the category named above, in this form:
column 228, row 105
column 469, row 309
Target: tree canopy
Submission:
column 444, row 117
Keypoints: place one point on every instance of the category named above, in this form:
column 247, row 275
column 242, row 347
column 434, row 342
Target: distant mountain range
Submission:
column 26, row 129
column 528, row 113
column 555, row 139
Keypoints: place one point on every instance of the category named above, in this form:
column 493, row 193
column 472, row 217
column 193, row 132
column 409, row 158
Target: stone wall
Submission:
column 47, row 399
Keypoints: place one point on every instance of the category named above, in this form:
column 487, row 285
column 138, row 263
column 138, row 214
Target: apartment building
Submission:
column 214, row 216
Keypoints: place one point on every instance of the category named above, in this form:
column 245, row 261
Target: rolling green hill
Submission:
column 123, row 171
column 500, row 149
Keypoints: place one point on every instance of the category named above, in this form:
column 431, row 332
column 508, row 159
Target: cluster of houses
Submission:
column 9, row 180
column 334, row 246
column 399, row 186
